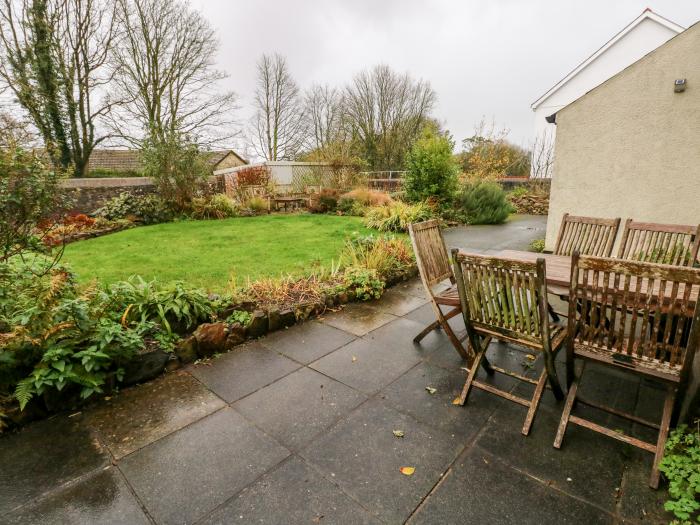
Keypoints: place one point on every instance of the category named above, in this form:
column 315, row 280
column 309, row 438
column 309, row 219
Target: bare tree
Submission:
column 53, row 59
column 385, row 112
column 165, row 72
column 542, row 157
column 324, row 113
column 279, row 127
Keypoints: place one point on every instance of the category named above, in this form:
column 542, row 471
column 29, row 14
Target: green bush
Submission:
column 396, row 216
column 326, row 201
column 681, row 466
column 178, row 169
column 104, row 173
column 537, row 246
column 257, row 205
column 386, row 254
column 365, row 283
column 217, row 206
column 146, row 209
column 482, row 202
column 431, row 169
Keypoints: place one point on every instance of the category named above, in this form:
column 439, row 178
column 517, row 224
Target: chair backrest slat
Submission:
column 587, row 235
column 635, row 310
column 674, row 244
column 432, row 257
column 505, row 296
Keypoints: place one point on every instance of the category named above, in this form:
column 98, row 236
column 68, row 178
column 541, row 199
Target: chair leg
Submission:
column 535, row 403
column 551, row 372
column 553, row 314
column 663, row 434
column 566, row 414
column 434, row 326
column 472, row 374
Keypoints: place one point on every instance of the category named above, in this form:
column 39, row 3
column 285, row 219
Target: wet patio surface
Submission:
column 298, row 427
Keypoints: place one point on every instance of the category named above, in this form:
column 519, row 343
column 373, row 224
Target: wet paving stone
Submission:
column 481, row 489
column 592, row 462
column 398, row 303
column 398, row 336
column 366, row 365
column 413, row 287
column 185, row 475
column 408, row 394
column 138, row 416
column 638, row 502
column 307, row 342
column 102, row 498
column 357, row 318
column 299, row 406
column 242, row 371
column 292, row 493
column 43, row 456
column 364, row 457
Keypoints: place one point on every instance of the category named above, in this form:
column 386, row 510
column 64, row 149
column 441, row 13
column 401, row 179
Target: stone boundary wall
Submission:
column 89, row 194
column 510, row 183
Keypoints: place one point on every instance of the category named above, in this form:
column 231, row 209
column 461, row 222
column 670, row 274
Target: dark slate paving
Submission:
column 307, row 342
column 138, row 416
column 44, row 456
column 592, row 462
column 637, row 501
column 364, row 457
column 357, row 318
column 292, row 493
column 101, row 498
column 516, row 234
column 399, row 303
column 481, row 489
column 412, row 287
column 398, row 336
column 367, row 366
column 242, row 371
column 187, row 474
column 408, row 394
column 299, row 406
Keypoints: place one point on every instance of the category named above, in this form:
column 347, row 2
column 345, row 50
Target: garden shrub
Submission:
column 29, row 195
column 396, row 216
column 217, row 206
column 257, row 205
column 325, row 201
column 365, row 283
column 431, row 170
column 537, row 246
column 387, row 255
column 482, row 202
column 681, row 466
column 145, row 209
column 178, row 169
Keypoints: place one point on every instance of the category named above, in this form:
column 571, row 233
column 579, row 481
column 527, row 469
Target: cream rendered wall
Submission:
column 631, row 147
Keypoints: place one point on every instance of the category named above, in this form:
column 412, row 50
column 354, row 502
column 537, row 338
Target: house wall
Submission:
column 631, row 147
column 639, row 41
column 229, row 161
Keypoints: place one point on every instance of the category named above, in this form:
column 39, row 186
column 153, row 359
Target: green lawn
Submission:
column 208, row 253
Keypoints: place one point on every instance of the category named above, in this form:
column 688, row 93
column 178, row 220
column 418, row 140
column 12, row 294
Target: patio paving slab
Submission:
column 299, row 406
column 364, row 457
column 307, row 342
column 409, row 395
column 205, row 463
column 588, row 465
column 481, row 489
column 637, row 501
column 138, row 416
column 357, row 318
column 44, row 456
column 397, row 336
column 367, row 366
column 398, row 303
column 102, row 498
column 242, row 371
column 292, row 493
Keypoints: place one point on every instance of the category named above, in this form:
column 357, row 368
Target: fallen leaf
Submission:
column 456, row 401
column 354, row 359
column 430, row 389
column 531, row 357
column 407, row 471
column 398, row 433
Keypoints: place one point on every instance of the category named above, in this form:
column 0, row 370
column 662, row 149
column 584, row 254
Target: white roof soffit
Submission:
column 647, row 14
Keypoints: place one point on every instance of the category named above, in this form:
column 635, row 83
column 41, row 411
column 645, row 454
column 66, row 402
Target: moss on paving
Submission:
column 209, row 253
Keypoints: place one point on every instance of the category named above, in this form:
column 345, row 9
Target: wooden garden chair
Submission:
column 434, row 268
column 673, row 244
column 587, row 235
column 634, row 316
column 508, row 300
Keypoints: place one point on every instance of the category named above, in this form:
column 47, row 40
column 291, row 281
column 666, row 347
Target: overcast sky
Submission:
column 483, row 58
